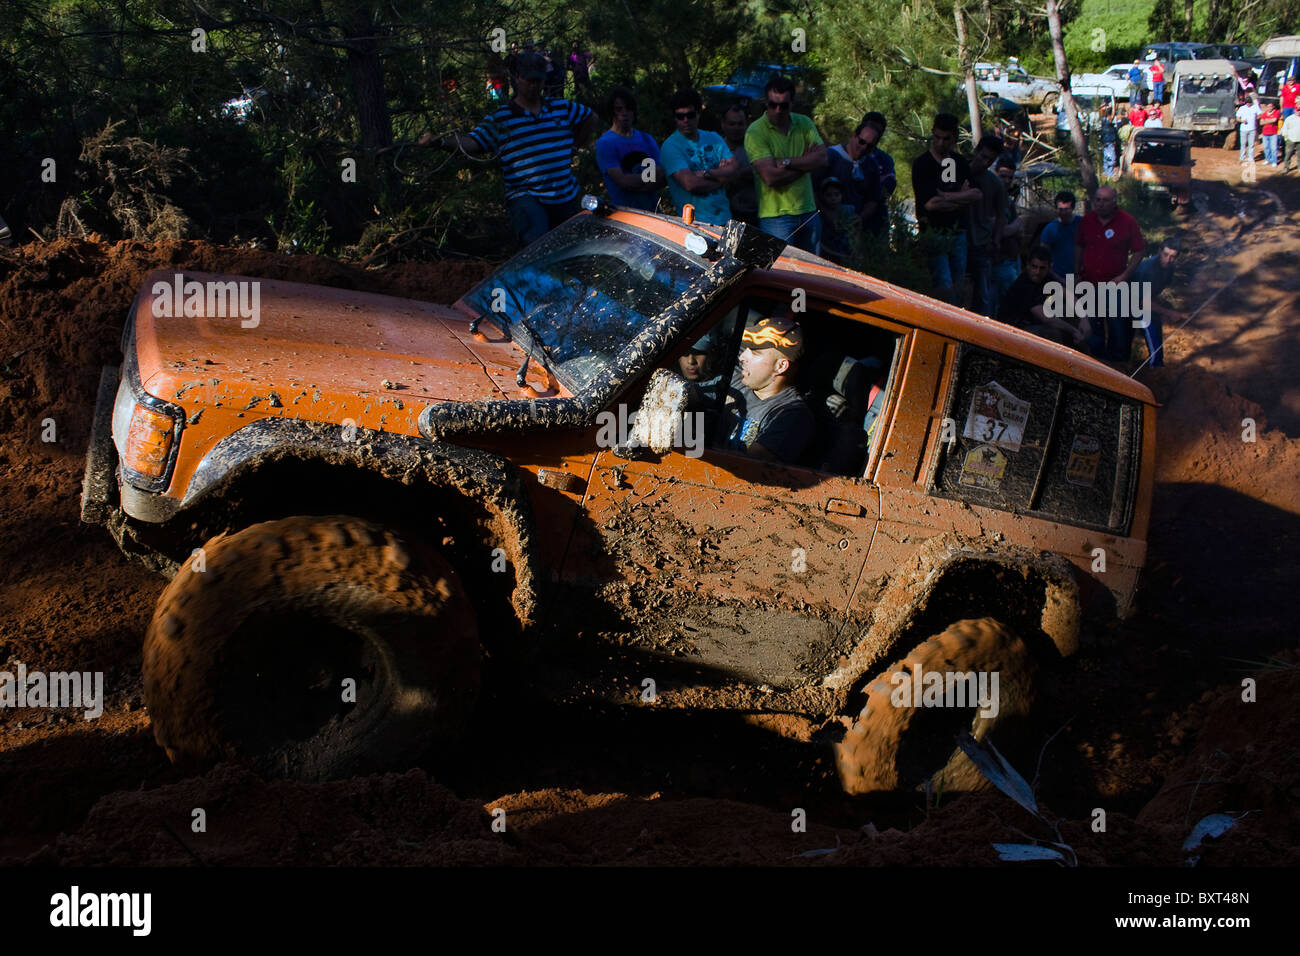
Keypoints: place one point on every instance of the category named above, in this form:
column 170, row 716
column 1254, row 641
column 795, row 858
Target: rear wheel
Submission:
column 312, row 648
column 898, row 742
column 1049, row 103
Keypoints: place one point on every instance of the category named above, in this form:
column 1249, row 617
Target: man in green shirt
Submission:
column 784, row 147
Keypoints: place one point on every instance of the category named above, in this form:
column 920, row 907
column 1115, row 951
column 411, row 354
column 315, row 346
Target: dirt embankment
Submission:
column 1154, row 726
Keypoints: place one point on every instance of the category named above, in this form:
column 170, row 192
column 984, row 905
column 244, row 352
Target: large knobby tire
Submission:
column 248, row 659
column 891, row 747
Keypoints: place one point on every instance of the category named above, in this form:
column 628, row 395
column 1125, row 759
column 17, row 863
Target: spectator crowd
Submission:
column 777, row 172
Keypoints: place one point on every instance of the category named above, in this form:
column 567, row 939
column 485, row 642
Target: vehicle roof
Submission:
column 1281, row 46
column 819, row 277
column 1162, row 133
column 1204, row 66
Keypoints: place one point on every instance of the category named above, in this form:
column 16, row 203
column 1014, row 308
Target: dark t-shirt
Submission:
column 783, row 424
column 1023, row 296
column 928, row 179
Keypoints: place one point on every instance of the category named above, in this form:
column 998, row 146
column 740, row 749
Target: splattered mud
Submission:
column 1152, row 724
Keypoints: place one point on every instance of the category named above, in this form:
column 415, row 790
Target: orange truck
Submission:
column 1161, row 158
column 368, row 506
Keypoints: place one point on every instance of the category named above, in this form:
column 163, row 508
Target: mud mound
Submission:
column 1244, row 763
column 392, row 819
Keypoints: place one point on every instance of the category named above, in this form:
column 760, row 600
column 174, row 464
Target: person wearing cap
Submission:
column 534, row 136
column 696, row 366
column 769, row 420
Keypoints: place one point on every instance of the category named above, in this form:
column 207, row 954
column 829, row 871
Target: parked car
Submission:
column 1204, row 98
column 368, row 506
column 1282, row 61
column 1162, row 158
column 1242, row 55
column 240, row 108
column 747, row 84
column 1011, row 81
column 1115, row 79
column 1176, row 52
column 1088, row 101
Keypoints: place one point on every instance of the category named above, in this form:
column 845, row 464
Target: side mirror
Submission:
column 659, row 419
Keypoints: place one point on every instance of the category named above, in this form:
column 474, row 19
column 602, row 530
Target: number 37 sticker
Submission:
column 996, row 417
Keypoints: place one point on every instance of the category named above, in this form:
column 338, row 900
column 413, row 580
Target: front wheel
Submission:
column 905, row 734
column 311, row 648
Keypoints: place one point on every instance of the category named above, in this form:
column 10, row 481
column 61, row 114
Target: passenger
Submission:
column 696, row 366
column 768, row 419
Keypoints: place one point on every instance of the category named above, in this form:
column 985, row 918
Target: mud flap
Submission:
column 99, row 484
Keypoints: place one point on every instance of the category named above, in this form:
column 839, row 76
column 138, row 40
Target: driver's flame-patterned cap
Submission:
column 782, row 334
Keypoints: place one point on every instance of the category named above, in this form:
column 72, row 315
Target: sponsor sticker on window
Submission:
column 996, row 417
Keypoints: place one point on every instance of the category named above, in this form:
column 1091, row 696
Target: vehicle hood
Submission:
column 308, row 339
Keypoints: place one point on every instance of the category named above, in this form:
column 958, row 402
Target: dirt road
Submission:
column 1153, row 726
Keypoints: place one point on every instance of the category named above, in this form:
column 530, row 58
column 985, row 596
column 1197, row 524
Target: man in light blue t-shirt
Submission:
column 699, row 163
column 629, row 158
column 1058, row 235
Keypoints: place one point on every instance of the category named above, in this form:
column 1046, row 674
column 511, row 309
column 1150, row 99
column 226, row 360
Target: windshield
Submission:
column 1205, row 85
column 1089, row 101
column 1159, row 154
column 750, row 77
column 586, row 288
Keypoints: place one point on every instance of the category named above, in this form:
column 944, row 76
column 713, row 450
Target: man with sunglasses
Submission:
column 769, row 420
column 859, row 177
column 785, row 148
column 698, row 163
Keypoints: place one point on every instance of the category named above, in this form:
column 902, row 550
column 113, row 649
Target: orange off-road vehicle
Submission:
column 368, row 503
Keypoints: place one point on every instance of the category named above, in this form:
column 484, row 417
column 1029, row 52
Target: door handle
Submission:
column 838, row 506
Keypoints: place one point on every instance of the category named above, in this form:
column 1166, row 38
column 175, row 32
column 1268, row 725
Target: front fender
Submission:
column 480, row 477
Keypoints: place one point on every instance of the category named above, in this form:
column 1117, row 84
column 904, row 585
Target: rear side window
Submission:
column 1029, row 441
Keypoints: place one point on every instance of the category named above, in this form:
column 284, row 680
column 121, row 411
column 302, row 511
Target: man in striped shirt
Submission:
column 534, row 136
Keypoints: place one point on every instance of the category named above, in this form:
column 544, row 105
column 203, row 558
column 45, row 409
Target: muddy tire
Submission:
column 1049, row 103
column 892, row 747
column 250, row 648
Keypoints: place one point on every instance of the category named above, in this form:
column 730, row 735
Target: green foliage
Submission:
column 1117, row 27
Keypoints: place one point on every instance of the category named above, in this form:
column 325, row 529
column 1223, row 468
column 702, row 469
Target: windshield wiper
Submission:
column 521, row 377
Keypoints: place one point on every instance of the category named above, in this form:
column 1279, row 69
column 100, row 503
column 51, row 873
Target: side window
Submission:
column 842, row 381
column 1030, row 441
column 1091, row 469
column 1002, row 413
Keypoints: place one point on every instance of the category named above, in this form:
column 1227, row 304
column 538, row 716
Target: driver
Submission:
column 768, row 419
